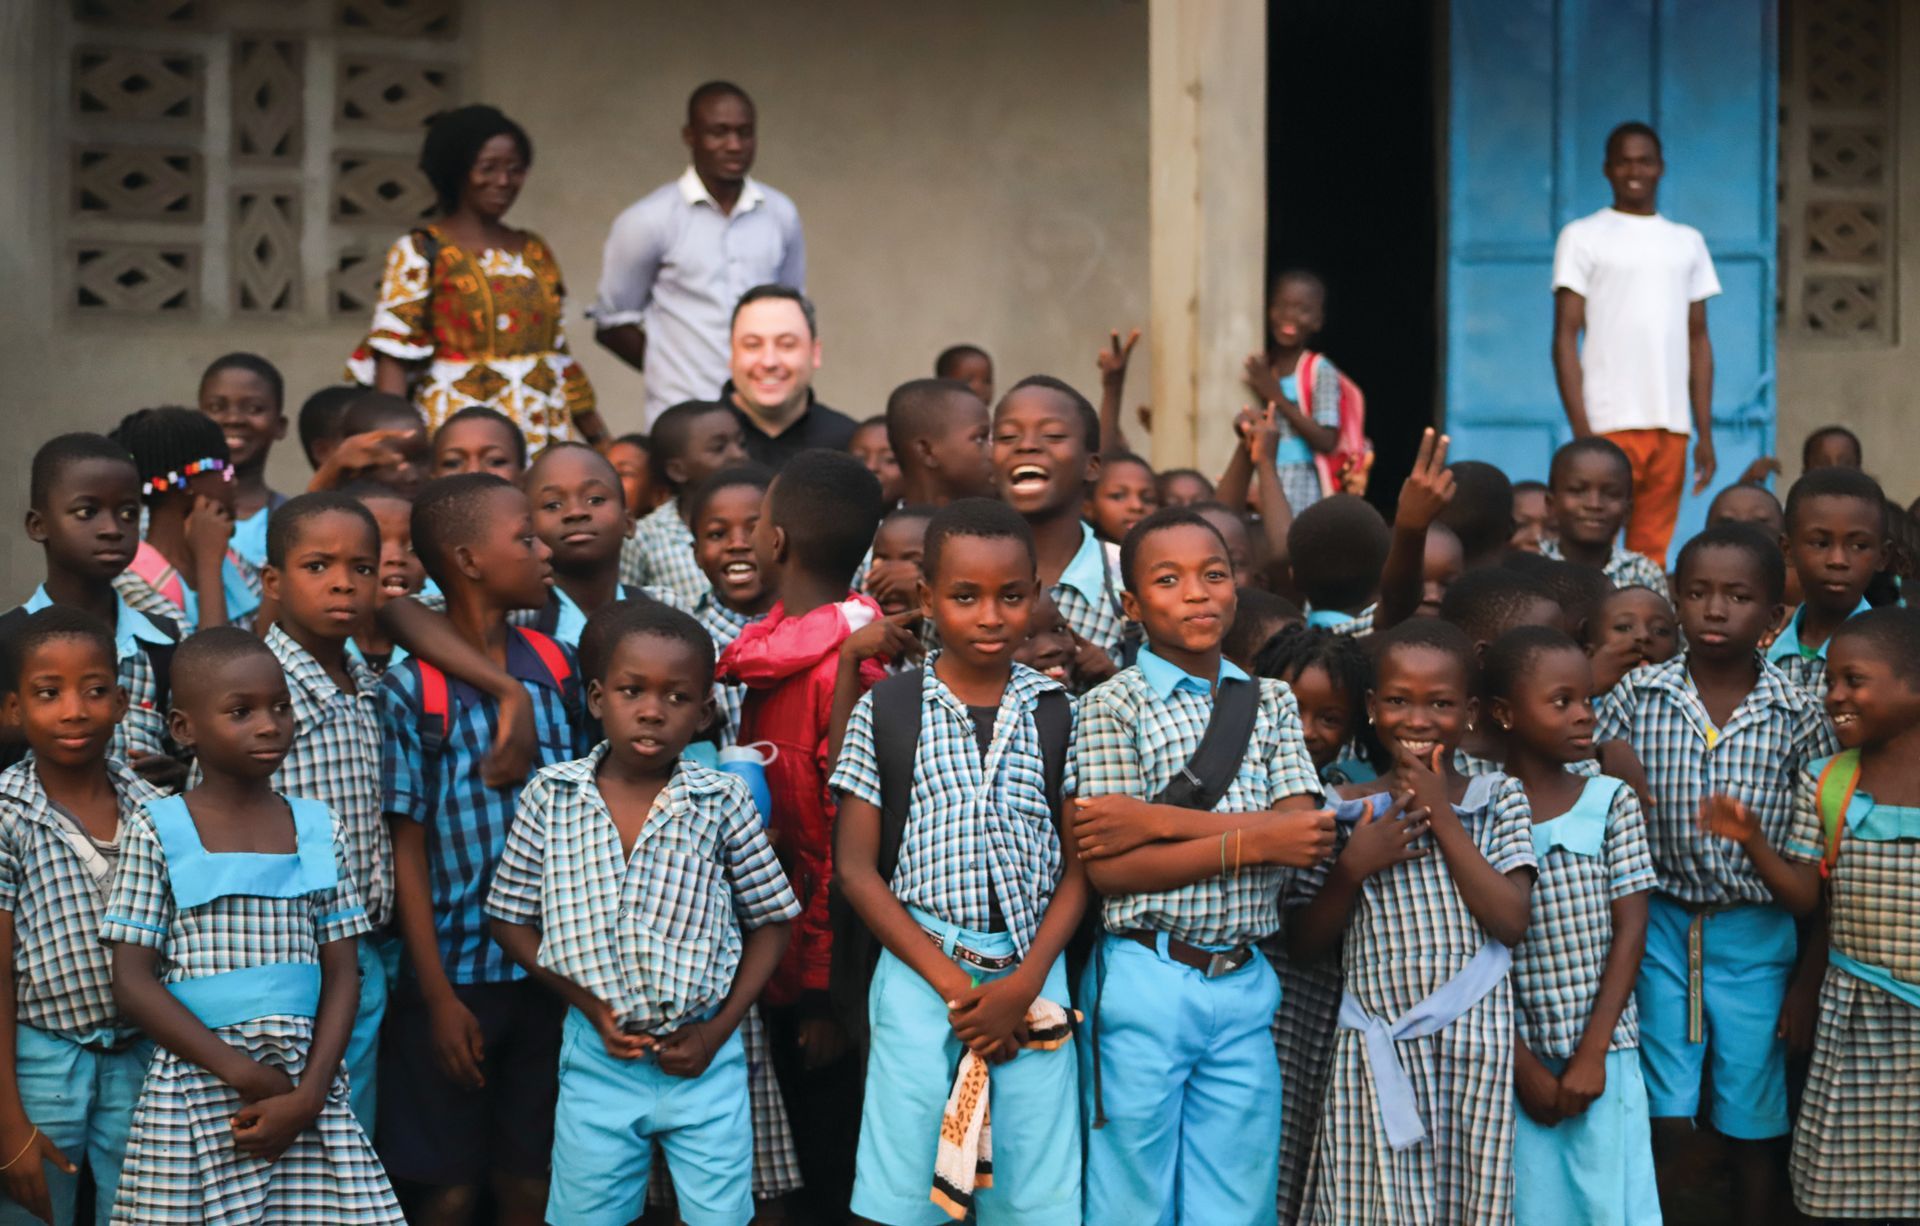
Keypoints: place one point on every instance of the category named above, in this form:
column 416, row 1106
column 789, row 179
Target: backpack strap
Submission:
column 435, row 718
column 1053, row 719
column 1216, row 760
column 1832, row 796
column 553, row 658
column 547, row 620
column 160, row 657
column 896, row 739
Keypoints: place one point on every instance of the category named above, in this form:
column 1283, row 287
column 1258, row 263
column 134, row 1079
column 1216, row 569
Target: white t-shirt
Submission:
column 1639, row 275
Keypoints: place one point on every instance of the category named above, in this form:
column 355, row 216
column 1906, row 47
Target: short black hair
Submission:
column 1481, row 513
column 171, row 445
column 1634, row 127
column 953, row 355
column 636, row 438
column 480, row 412
column 449, row 513
column 1770, row 565
column 561, row 447
column 1749, row 487
column 1430, row 634
column 713, row 89
column 321, row 415
column 1893, row 634
column 1529, row 486
column 1174, row 474
column 754, row 476
column 1806, row 448
column 1255, row 610
column 671, row 430
column 283, row 528
column 203, row 653
column 1837, row 482
column 371, row 410
column 56, row 621
column 1594, row 445
column 1109, row 459
column 453, row 144
column 1305, row 276
column 828, row 505
column 1488, row 602
column 254, row 365
column 615, row 623
column 1338, row 546
column 918, row 409
column 1159, row 521
column 1514, row 652
column 1345, row 658
column 1578, row 590
column 785, row 293
column 980, row 518
column 1089, row 416
column 62, row 452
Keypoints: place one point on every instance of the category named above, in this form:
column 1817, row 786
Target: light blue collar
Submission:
column 1164, row 677
column 131, row 627
column 1581, row 830
column 1787, row 646
column 1329, row 619
column 199, row 876
column 1087, row 573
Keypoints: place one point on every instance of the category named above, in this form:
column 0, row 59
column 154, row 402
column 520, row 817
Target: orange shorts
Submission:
column 1659, row 459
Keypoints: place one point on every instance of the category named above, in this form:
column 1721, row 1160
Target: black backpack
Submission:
column 896, row 733
column 159, row 657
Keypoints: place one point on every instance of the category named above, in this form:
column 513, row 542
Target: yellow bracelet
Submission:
column 23, row 1149
column 1223, row 868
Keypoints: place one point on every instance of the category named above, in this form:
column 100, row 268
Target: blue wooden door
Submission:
column 1534, row 88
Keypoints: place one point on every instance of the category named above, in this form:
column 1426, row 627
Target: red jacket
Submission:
column 789, row 665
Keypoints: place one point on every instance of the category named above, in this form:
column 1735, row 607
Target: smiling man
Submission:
column 1637, row 284
column 678, row 260
column 775, row 350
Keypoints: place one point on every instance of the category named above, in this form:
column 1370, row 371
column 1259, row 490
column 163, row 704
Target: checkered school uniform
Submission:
column 335, row 760
column 62, row 974
column 1473, row 765
column 984, row 831
column 467, row 821
column 1358, row 625
column 660, row 554
column 1557, row 966
column 181, row 1165
column 241, row 582
column 724, row 625
column 1409, row 933
column 1088, row 596
column 1625, row 567
column 1805, row 667
column 1132, row 739
column 1859, row 1128
column 144, row 729
column 1755, row 758
column 569, row 620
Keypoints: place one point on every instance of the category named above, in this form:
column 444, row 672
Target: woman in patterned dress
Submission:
column 470, row 308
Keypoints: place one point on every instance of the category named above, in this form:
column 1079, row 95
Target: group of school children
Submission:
column 982, row 825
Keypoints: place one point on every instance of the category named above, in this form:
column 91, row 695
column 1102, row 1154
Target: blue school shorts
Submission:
column 1595, row 1169
column 82, row 1100
column 1748, row 956
column 613, row 1111
column 911, row 1063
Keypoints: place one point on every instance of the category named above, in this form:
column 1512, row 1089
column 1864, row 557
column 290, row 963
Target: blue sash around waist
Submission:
column 274, row 989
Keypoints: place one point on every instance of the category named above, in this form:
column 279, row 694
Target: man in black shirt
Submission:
column 775, row 351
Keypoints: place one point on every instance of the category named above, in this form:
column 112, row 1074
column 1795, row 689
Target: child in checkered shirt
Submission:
column 1856, row 822
column 691, row 442
column 983, row 871
column 579, row 511
column 1836, row 542
column 640, row 888
column 739, row 592
column 1589, row 495
column 1583, row 1148
column 70, row 1063
column 1423, row 907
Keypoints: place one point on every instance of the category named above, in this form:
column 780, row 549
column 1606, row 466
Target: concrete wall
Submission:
column 968, row 172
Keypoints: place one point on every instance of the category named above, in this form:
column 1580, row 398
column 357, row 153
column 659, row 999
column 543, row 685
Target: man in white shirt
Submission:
column 678, row 260
column 1637, row 285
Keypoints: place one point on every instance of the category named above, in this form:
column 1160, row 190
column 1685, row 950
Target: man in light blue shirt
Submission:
column 677, row 261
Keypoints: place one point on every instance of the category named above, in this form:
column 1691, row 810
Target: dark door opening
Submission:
column 1352, row 194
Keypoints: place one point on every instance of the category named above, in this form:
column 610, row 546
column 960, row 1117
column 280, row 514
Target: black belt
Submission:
column 992, row 963
column 1212, row 963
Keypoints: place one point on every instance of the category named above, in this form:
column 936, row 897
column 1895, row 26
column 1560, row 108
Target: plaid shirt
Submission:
column 980, row 828
column 241, row 587
column 569, row 620
column 1088, row 596
column 660, row 554
column 724, row 625
column 1135, row 733
column 232, row 932
column 655, row 934
column 336, row 760
column 62, row 974
column 144, row 730
column 1756, row 758
column 1358, row 624
column 467, row 821
column 1870, row 893
column 1806, row 667
column 1625, row 567
column 1558, row 964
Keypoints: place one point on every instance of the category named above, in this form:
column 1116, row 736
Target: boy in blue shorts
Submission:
column 322, row 555
column 71, row 1064
column 1192, row 850
column 973, row 894
column 641, row 890
column 470, row 1057
column 1717, row 720
column 1835, row 541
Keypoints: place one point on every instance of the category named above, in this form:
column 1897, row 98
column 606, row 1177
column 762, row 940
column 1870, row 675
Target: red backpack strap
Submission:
column 551, row 657
column 435, row 719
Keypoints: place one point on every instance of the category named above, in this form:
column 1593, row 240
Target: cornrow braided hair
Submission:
column 172, row 445
column 1345, row 660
